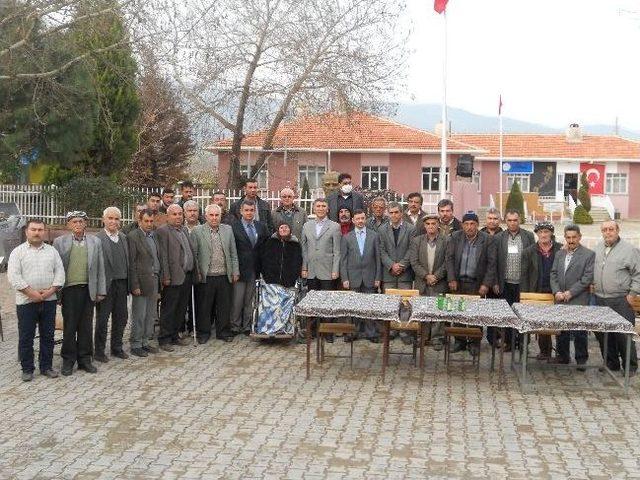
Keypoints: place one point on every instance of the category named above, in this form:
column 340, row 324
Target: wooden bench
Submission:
column 473, row 333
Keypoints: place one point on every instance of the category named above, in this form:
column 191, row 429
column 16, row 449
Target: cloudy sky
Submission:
column 554, row 61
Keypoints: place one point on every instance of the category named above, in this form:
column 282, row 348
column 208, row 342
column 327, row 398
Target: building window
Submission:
column 431, row 179
column 313, row 174
column 616, row 183
column 262, row 175
column 523, row 180
column 375, row 178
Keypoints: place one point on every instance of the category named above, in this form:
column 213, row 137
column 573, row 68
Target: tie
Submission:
column 252, row 234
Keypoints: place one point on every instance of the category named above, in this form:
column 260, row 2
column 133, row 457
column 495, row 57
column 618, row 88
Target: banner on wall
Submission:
column 595, row 177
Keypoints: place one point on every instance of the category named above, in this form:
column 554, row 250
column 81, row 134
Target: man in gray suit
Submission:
column 217, row 260
column 144, row 275
column 85, row 284
column 344, row 197
column 178, row 266
column 571, row 278
column 360, row 269
column 470, row 266
column 116, row 272
column 394, row 238
column 427, row 254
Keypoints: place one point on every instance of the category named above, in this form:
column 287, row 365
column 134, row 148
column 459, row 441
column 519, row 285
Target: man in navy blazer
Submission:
column 249, row 235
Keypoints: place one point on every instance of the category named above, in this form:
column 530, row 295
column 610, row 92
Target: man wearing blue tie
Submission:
column 249, row 235
column 360, row 268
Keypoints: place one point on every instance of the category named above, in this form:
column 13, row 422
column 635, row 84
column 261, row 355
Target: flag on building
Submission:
column 595, row 177
column 440, row 5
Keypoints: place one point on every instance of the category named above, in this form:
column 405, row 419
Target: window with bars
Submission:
column 431, row 179
column 262, row 175
column 523, row 180
column 313, row 173
column 616, row 183
column 375, row 178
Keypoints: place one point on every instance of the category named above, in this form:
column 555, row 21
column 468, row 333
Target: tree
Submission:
column 581, row 216
column 252, row 63
column 515, row 201
column 583, row 192
column 113, row 75
column 164, row 138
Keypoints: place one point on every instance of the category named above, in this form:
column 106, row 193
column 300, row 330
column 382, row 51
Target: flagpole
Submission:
column 501, row 158
column 443, row 150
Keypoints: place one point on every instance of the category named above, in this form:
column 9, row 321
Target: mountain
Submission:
column 426, row 115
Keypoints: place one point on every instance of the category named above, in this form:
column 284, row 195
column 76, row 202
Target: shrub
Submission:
column 581, row 216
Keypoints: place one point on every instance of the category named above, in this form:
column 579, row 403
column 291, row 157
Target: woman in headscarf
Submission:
column 280, row 264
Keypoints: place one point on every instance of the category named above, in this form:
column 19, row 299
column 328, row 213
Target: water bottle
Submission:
column 440, row 301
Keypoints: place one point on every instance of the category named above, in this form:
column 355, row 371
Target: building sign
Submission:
column 595, row 177
column 543, row 179
column 517, row 167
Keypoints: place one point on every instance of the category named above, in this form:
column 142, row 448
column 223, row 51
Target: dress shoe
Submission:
column 458, row 347
column 120, row 354
column 139, row 352
column 67, row 369
column 51, row 373
column 88, row 367
column 150, row 349
column 27, row 376
column 167, row 347
column 101, row 357
column 246, row 333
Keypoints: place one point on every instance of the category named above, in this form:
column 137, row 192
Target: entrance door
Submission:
column 571, row 185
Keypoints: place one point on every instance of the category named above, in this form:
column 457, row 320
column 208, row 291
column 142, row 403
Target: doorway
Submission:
column 571, row 186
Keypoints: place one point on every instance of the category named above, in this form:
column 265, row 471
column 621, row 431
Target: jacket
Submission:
column 264, row 213
column 501, row 244
column 360, row 270
column 141, row 263
column 419, row 263
column 172, row 256
column 201, row 236
column 485, row 258
column 295, row 222
column 97, row 281
column 332, row 203
column 321, row 254
column 280, row 261
column 617, row 274
column 247, row 253
column 108, row 261
column 531, row 265
column 391, row 253
column 578, row 276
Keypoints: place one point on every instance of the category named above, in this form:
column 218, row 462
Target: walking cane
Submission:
column 193, row 315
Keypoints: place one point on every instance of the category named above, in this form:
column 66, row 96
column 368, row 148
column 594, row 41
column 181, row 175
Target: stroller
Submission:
column 273, row 316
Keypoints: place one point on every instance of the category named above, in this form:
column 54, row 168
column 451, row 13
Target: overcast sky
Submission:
column 554, row 61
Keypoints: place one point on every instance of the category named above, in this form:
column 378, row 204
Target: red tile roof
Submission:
column 553, row 146
column 355, row 131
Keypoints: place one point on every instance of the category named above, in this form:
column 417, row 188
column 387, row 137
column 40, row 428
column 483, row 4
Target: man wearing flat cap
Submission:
column 537, row 260
column 427, row 254
column 84, row 286
column 471, row 265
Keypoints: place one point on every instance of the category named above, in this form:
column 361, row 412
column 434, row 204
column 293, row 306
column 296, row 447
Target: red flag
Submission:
column 500, row 106
column 595, row 176
column 440, row 5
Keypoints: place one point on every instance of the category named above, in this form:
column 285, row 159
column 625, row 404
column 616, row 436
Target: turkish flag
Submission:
column 440, row 5
column 595, row 177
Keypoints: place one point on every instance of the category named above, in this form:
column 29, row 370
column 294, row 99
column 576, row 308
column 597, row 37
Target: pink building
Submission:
column 383, row 154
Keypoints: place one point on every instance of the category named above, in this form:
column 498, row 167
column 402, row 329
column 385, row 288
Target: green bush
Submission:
column 516, row 201
column 583, row 192
column 581, row 216
column 93, row 194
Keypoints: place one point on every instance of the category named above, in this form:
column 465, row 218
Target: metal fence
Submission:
column 36, row 201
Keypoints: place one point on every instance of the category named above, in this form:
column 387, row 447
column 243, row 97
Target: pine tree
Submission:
column 515, row 201
column 583, row 192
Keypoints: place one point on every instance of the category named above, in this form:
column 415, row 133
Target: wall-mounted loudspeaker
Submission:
column 465, row 166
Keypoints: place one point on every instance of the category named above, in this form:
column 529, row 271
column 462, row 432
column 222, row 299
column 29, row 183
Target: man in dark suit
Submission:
column 571, row 279
column 187, row 192
column 144, row 275
column 219, row 198
column 537, row 261
column 178, row 266
column 448, row 223
column 360, row 268
column 428, row 254
column 116, row 271
column 509, row 245
column 249, row 235
column 168, row 195
column 414, row 214
column 394, row 238
column 345, row 197
column 470, row 265
column 263, row 211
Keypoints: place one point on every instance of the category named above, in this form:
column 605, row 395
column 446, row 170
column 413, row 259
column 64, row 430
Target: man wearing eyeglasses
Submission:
column 85, row 285
column 289, row 213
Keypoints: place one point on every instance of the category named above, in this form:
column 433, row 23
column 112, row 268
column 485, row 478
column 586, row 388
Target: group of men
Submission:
column 203, row 265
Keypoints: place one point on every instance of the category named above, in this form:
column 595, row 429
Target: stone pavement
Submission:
column 244, row 410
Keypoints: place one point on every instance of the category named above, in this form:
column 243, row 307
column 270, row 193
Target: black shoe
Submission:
column 246, row 333
column 458, row 347
column 51, row 373
column 203, row 340
column 139, row 352
column 67, row 369
column 27, row 376
column 150, row 349
column 167, row 347
column 581, row 365
column 88, row 367
column 120, row 354
column 101, row 357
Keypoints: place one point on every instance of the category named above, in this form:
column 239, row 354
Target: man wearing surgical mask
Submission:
column 345, row 197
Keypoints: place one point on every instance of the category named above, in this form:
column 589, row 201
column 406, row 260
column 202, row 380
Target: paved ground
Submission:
column 244, row 410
